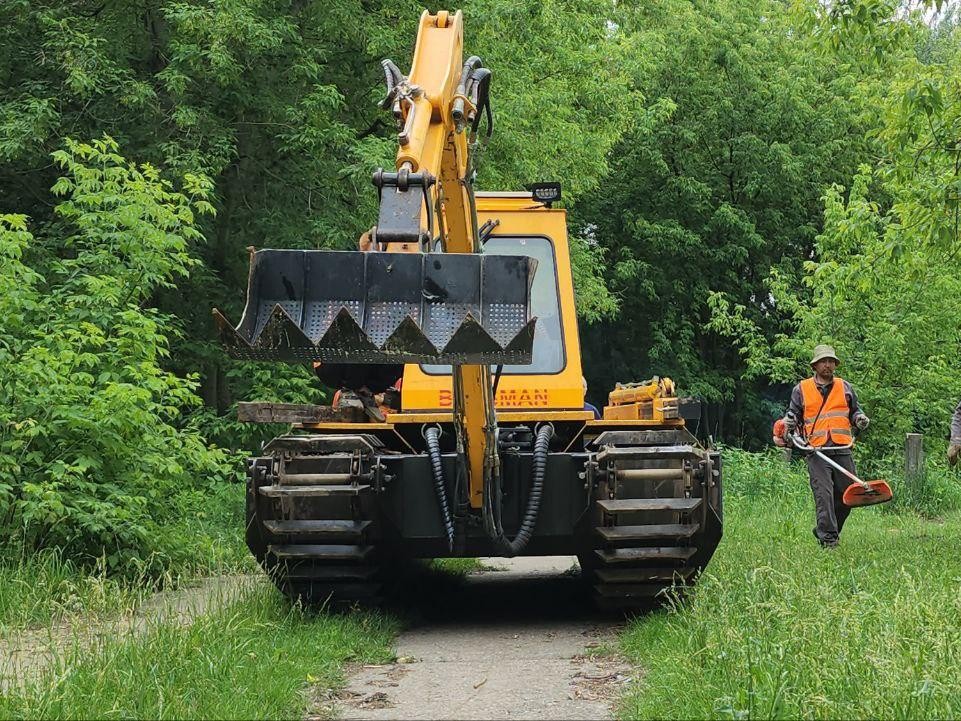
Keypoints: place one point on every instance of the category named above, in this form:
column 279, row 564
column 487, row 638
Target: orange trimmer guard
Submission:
column 876, row 492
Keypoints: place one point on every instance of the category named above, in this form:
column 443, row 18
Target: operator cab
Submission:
column 553, row 380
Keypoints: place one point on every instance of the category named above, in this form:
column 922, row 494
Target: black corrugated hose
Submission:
column 432, row 436
column 492, row 504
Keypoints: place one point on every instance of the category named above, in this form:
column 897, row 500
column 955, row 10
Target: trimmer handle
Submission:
column 802, row 445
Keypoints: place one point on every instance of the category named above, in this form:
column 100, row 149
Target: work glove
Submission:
column 862, row 422
column 954, row 450
column 790, row 424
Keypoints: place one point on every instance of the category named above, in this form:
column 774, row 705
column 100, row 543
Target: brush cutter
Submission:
column 859, row 493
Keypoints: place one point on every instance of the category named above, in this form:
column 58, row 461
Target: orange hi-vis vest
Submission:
column 834, row 418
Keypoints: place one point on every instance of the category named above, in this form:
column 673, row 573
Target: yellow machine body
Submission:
column 653, row 400
column 523, row 221
column 493, row 454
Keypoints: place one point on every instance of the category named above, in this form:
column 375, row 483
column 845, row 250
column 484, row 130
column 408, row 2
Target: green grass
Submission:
column 776, row 628
column 255, row 658
column 246, row 657
column 47, row 588
column 37, row 589
column 208, row 538
column 457, row 566
column 779, row 628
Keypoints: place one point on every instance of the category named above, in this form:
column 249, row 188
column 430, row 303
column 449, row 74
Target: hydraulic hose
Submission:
column 492, row 499
column 392, row 77
column 432, row 436
column 458, row 108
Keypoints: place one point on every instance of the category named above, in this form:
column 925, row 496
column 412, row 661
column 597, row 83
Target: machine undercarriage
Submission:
column 329, row 515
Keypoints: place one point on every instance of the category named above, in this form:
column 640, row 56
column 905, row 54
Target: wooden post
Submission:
column 913, row 457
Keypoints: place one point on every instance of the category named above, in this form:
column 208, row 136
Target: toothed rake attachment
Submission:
column 373, row 307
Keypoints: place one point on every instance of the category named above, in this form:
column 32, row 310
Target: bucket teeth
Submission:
column 470, row 337
column 353, row 307
column 346, row 336
column 523, row 340
column 409, row 338
column 233, row 341
column 282, row 331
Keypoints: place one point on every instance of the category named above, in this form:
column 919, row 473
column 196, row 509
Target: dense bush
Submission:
column 276, row 102
column 95, row 436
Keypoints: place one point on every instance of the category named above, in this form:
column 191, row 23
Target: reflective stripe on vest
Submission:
column 834, row 419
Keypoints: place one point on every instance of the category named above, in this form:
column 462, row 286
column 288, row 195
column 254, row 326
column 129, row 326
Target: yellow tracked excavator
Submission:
column 466, row 299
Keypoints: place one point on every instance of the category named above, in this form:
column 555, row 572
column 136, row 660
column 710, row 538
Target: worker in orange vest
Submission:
column 824, row 410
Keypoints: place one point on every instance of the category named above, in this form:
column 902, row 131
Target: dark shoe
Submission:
column 829, row 544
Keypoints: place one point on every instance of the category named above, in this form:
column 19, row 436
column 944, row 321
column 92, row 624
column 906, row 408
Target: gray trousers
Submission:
column 828, row 485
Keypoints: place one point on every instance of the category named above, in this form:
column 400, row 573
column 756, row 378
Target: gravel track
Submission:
column 515, row 642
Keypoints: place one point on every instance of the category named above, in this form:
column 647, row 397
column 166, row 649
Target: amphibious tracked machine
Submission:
column 466, row 298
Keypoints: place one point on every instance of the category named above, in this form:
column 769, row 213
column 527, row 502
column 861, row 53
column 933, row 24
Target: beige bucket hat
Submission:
column 824, row 351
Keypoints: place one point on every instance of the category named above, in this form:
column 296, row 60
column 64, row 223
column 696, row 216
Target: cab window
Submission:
column 548, row 356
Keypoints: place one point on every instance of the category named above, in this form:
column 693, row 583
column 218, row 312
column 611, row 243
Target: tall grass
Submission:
column 46, row 587
column 763, row 475
column 210, row 654
column 255, row 658
column 208, row 537
column 779, row 628
column 935, row 492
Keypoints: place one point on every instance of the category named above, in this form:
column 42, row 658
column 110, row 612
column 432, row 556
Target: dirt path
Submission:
column 26, row 653
column 514, row 643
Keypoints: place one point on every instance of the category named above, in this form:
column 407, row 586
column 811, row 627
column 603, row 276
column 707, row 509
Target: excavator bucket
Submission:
column 374, row 307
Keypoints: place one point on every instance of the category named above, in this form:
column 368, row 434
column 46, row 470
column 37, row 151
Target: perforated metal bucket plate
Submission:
column 354, row 307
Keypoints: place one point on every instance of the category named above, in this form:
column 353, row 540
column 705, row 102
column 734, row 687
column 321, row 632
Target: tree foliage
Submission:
column 92, row 441
column 276, row 102
column 267, row 111
column 883, row 283
column 718, row 183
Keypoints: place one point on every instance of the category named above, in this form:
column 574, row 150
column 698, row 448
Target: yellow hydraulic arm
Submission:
column 423, row 292
column 437, row 108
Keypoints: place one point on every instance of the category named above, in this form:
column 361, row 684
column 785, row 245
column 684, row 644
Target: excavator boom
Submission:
column 422, row 293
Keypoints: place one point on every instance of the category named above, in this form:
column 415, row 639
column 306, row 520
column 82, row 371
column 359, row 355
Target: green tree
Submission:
column 276, row 102
column 883, row 284
column 94, row 442
column 744, row 127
